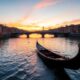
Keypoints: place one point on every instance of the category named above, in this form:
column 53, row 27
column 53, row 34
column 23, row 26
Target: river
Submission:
column 19, row 60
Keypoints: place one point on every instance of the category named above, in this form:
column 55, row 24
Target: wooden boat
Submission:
column 54, row 60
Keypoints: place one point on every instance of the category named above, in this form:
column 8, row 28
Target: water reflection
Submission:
column 63, row 46
column 35, row 36
column 49, row 36
column 19, row 61
column 23, row 36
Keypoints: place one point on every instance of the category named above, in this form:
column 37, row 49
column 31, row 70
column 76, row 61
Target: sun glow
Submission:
column 46, row 24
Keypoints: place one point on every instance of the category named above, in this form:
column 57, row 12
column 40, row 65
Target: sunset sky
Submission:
column 39, row 12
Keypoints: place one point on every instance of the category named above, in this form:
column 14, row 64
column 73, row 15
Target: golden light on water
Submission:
column 23, row 36
column 48, row 36
column 40, row 36
column 35, row 36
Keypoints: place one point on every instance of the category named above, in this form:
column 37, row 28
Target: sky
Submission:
column 39, row 12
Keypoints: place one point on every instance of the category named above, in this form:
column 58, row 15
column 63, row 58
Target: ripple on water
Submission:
column 18, row 61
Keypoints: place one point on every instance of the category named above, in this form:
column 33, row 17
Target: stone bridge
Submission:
column 56, row 34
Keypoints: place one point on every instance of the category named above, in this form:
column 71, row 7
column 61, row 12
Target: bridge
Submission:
column 7, row 32
column 56, row 34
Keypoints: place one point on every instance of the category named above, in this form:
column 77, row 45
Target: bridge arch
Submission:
column 22, row 36
column 35, row 35
column 41, row 34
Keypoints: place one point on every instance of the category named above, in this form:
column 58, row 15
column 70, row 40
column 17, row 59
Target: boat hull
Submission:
column 71, row 64
column 58, row 64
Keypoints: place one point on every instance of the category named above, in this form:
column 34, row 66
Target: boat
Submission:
column 52, row 59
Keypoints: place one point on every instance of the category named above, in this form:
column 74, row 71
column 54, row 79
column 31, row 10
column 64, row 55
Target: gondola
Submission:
column 52, row 59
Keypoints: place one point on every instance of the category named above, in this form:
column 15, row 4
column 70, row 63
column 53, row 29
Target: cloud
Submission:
column 44, row 3
column 37, row 6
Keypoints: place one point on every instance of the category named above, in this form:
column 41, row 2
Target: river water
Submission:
column 19, row 60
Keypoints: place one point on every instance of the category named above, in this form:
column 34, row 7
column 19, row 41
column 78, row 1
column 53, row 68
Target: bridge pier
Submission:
column 55, row 35
column 27, row 35
column 43, row 35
